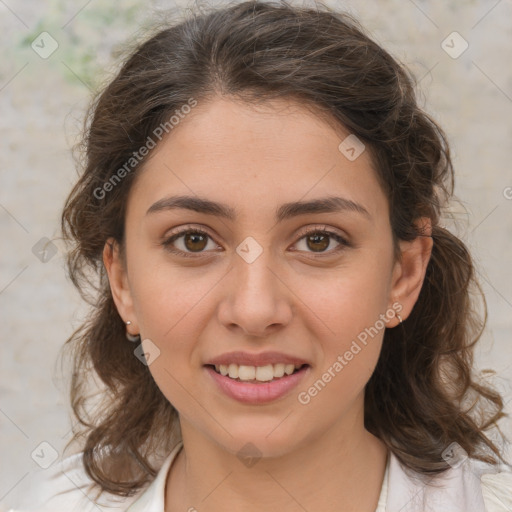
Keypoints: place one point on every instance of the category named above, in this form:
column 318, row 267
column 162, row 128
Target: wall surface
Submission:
column 43, row 94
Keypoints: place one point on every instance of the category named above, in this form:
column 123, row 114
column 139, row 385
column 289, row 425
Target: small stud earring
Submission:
column 132, row 337
column 399, row 317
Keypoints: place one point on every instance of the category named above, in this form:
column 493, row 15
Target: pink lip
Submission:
column 257, row 393
column 261, row 359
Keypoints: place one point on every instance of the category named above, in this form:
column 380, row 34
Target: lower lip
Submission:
column 251, row 393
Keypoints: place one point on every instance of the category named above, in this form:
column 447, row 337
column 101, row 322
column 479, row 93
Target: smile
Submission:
column 245, row 383
column 256, row 373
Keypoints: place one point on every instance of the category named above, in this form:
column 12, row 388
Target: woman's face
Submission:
column 256, row 282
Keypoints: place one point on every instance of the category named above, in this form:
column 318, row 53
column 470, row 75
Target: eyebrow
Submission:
column 285, row 211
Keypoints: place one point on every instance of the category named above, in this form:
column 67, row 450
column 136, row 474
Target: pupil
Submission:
column 194, row 237
column 316, row 238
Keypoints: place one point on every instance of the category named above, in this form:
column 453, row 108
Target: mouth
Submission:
column 257, row 374
column 256, row 385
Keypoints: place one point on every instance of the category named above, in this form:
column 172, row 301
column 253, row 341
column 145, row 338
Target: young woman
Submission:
column 280, row 321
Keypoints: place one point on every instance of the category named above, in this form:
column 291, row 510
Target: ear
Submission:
column 119, row 285
column 409, row 273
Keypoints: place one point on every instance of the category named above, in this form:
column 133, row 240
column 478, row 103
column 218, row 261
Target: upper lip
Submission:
column 261, row 359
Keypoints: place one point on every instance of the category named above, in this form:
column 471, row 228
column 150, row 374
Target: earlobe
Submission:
column 409, row 272
column 118, row 280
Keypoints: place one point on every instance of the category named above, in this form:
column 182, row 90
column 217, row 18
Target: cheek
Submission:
column 170, row 306
column 348, row 299
column 350, row 333
column 346, row 311
column 167, row 296
column 168, row 309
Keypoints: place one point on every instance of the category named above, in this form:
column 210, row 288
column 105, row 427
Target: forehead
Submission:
column 250, row 156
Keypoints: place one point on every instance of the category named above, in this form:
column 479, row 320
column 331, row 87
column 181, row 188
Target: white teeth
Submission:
column 279, row 370
column 246, row 372
column 265, row 373
column 233, row 371
column 288, row 369
column 260, row 373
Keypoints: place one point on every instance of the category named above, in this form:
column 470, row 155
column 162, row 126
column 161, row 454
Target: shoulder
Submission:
column 64, row 487
column 468, row 486
column 497, row 491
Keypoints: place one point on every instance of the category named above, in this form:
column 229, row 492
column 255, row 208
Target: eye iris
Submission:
column 316, row 237
column 194, row 237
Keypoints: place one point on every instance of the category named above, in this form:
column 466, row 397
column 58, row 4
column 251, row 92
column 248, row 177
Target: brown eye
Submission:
column 317, row 242
column 187, row 242
column 195, row 241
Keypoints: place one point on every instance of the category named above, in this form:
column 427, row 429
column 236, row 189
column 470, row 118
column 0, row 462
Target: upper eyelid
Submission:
column 300, row 232
column 320, row 228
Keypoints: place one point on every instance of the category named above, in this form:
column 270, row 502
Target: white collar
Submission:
column 153, row 498
column 456, row 490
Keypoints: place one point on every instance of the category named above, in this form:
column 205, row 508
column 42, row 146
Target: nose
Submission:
column 255, row 299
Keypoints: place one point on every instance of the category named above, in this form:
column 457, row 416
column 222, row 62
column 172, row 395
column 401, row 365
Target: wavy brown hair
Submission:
column 418, row 399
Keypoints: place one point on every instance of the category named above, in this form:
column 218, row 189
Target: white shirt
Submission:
column 471, row 487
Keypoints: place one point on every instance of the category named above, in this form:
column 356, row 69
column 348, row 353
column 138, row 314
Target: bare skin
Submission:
column 298, row 297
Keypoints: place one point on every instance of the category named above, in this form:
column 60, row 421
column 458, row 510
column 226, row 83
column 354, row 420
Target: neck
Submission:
column 331, row 473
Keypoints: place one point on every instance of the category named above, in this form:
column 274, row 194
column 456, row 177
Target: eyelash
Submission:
column 167, row 243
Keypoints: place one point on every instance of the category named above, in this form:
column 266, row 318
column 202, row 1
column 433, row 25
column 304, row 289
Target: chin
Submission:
column 257, row 443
